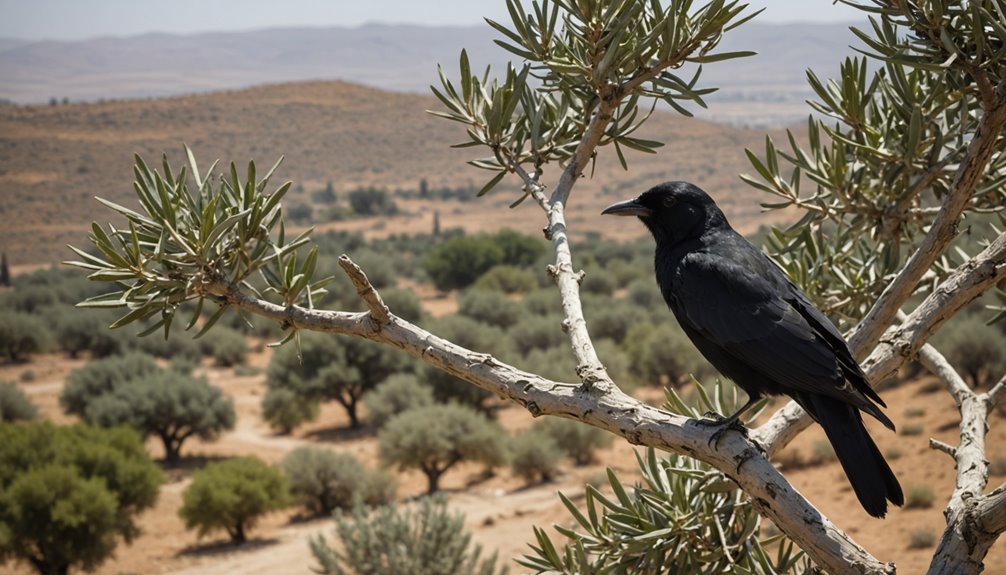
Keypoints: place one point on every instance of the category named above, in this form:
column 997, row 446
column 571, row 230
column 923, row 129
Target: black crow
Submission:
column 760, row 330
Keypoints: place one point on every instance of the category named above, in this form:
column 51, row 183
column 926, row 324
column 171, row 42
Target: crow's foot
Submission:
column 724, row 424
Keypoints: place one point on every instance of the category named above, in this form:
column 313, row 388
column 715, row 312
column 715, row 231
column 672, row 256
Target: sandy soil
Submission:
column 501, row 510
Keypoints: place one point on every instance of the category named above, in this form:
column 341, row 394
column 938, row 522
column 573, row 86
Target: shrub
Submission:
column 371, row 202
column 538, row 332
column 226, row 346
column 232, row 495
column 325, row 195
column 160, row 402
column 519, row 249
column 997, row 467
column 67, row 494
column 911, row 430
column 645, row 294
column 921, row 539
column 973, row 347
column 339, row 368
column 625, row 272
column 21, row 335
column 382, row 271
column 616, row 363
column 326, row 480
column 300, row 213
column 14, row 404
column 542, row 301
column 461, row 260
column 535, row 456
column 823, row 452
column 892, row 453
column 919, row 497
column 403, row 303
column 577, row 440
column 178, row 347
column 434, row 439
column 507, row 279
column 599, row 282
column 664, row 351
column 87, row 330
column 397, row 394
column 102, row 376
column 489, row 307
column 614, row 319
column 424, row 540
column 284, row 410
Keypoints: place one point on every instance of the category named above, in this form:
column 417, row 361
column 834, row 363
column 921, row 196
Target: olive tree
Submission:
column 132, row 390
column 435, row 438
column 903, row 154
column 232, row 495
column 327, row 368
column 69, row 493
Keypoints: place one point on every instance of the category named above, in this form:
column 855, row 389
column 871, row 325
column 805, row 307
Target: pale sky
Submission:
column 78, row 19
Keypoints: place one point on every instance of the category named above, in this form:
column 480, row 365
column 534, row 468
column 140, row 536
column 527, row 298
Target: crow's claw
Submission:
column 713, row 419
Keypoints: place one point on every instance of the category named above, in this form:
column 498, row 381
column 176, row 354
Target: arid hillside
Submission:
column 55, row 159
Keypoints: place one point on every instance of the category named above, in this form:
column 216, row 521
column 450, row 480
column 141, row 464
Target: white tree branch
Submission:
column 996, row 393
column 588, row 366
column 609, row 409
column 937, row 364
column 974, row 521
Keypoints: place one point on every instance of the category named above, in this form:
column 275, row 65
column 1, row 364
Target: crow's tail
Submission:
column 868, row 472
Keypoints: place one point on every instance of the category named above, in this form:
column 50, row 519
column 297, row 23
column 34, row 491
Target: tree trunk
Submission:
column 354, row 418
column 45, row 567
column 172, row 449
column 237, row 533
column 432, row 479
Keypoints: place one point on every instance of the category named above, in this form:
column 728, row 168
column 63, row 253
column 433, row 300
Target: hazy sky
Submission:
column 76, row 19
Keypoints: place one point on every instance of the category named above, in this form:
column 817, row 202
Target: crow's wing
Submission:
column 739, row 305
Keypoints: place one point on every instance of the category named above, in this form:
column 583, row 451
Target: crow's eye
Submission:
column 670, row 201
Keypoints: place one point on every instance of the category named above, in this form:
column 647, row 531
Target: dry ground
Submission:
column 501, row 510
column 55, row 159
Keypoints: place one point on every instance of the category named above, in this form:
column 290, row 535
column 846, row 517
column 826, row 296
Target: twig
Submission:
column 995, row 395
column 365, row 290
column 944, row 447
column 937, row 364
column 990, row 512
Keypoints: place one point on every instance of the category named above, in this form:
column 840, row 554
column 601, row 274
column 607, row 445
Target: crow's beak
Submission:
column 627, row 208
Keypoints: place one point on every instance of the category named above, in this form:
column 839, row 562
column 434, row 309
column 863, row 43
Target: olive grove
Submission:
column 899, row 153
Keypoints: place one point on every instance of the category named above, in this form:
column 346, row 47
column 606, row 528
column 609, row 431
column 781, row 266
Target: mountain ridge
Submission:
column 768, row 89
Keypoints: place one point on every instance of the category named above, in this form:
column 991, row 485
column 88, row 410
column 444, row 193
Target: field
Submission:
column 501, row 510
column 54, row 159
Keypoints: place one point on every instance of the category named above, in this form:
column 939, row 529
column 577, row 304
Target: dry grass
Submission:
column 55, row 159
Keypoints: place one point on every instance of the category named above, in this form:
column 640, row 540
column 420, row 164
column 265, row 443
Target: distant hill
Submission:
column 55, row 159
column 768, row 89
